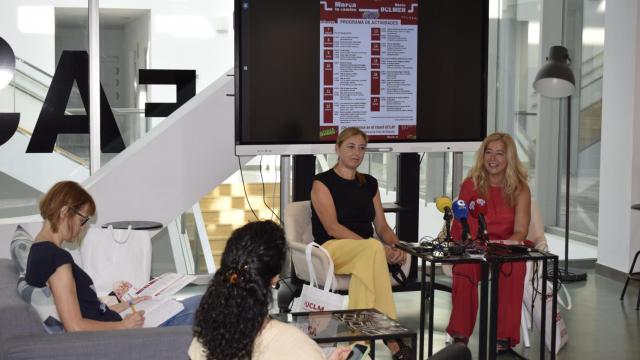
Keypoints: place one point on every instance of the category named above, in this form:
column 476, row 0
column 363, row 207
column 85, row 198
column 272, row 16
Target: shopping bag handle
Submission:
column 124, row 239
column 312, row 274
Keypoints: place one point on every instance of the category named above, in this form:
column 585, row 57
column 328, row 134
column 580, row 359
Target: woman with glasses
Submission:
column 66, row 208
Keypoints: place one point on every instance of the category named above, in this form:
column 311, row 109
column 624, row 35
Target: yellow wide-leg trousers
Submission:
column 366, row 262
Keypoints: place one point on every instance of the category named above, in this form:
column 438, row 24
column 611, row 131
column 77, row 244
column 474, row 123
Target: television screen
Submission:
column 410, row 73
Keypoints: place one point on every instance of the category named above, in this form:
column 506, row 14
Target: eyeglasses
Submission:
column 85, row 218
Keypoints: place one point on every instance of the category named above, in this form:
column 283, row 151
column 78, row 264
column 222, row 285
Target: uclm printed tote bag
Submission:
column 314, row 298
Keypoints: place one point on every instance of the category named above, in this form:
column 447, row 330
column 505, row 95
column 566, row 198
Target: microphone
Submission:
column 443, row 204
column 478, row 208
column 461, row 213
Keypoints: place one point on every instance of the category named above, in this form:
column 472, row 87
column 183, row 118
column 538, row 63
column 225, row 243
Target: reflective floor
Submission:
column 600, row 325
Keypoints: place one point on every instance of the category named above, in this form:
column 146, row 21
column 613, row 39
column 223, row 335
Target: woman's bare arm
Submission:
column 63, row 288
column 383, row 229
column 523, row 215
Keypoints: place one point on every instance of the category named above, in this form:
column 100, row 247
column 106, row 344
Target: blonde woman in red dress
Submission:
column 499, row 177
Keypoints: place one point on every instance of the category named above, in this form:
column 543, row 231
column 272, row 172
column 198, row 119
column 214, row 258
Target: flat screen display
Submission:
column 410, row 73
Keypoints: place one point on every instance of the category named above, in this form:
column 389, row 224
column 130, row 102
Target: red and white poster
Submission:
column 368, row 59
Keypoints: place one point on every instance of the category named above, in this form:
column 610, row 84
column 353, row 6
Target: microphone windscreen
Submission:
column 442, row 203
column 460, row 210
column 473, row 208
column 481, row 206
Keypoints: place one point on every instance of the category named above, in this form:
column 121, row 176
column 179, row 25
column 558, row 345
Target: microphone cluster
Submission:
column 460, row 211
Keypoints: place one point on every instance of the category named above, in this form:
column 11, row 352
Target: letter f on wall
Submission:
column 73, row 65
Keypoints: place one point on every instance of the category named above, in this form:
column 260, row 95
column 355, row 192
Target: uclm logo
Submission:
column 74, row 67
column 313, row 306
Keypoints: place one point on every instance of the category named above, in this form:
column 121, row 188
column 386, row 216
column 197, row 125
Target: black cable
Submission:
column 421, row 157
column 245, row 189
column 264, row 199
column 454, row 273
column 510, row 271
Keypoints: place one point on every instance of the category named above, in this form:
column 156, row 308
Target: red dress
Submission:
column 500, row 220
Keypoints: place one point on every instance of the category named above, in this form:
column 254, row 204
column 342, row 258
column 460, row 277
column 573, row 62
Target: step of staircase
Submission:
column 235, row 216
column 224, row 202
column 239, row 190
column 225, row 209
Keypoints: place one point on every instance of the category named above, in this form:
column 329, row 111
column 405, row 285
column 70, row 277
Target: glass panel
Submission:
column 518, row 63
column 160, row 34
column 33, row 32
column 586, row 117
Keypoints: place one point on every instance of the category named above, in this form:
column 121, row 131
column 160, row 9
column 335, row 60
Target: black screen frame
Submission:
column 247, row 147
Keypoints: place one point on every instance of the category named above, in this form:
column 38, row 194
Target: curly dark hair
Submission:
column 236, row 303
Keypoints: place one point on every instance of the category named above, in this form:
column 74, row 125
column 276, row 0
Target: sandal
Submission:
column 405, row 352
column 457, row 338
column 502, row 346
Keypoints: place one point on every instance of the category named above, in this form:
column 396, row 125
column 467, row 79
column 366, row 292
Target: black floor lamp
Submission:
column 555, row 80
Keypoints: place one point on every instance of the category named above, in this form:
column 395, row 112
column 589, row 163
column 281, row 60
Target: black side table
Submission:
column 135, row 225
column 427, row 293
column 633, row 275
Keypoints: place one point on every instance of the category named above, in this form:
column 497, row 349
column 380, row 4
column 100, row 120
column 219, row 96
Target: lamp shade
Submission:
column 555, row 79
column 7, row 63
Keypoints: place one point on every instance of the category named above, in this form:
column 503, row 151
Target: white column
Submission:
column 94, row 85
column 619, row 226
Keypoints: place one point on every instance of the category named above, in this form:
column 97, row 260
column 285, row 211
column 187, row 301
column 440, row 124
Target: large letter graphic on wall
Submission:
column 73, row 65
column 8, row 126
column 184, row 80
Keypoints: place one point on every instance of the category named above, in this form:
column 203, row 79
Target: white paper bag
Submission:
column 111, row 255
column 562, row 334
column 312, row 297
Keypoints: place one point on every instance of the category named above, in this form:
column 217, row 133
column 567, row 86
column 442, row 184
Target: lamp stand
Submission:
column 565, row 274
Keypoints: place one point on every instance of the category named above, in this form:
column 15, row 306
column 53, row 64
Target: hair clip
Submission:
column 234, row 273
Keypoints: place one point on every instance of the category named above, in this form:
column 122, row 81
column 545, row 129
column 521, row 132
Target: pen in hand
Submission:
column 133, row 308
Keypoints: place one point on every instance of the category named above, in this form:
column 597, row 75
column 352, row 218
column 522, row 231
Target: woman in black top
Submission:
column 345, row 204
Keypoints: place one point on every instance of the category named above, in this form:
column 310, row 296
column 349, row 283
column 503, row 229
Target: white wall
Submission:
column 188, row 34
column 172, row 167
column 619, row 226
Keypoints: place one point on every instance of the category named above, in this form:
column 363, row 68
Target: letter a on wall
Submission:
column 73, row 65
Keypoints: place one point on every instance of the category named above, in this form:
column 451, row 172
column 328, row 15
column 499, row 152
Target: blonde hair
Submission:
column 516, row 176
column 64, row 193
column 343, row 136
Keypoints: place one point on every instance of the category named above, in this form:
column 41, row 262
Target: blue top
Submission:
column 353, row 202
column 45, row 258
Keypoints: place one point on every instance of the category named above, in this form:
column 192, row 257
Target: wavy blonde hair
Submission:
column 515, row 174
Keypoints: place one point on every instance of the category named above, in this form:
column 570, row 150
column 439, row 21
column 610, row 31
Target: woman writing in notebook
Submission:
column 66, row 209
column 498, row 177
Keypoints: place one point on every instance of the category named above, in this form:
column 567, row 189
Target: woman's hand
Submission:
column 395, row 255
column 135, row 320
column 120, row 307
column 120, row 288
column 340, row 353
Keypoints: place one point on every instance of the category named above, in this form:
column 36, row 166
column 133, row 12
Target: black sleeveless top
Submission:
column 45, row 258
column 353, row 202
